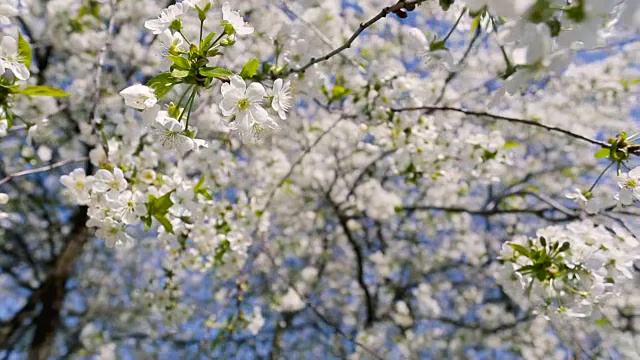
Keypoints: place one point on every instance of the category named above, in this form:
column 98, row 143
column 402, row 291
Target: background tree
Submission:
column 276, row 179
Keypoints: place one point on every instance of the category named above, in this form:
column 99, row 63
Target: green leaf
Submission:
column 24, row 51
column 221, row 250
column 576, row 13
column 250, row 68
column 163, row 204
column 510, row 144
column 489, row 155
column 216, row 73
column 159, row 207
column 201, row 189
column 602, row 153
column 179, row 74
column 521, row 249
column 147, row 222
column 165, row 222
column 540, row 11
column 437, row 45
column 179, row 62
column 43, row 91
column 446, row 4
column 339, row 91
column 475, row 24
column 204, row 45
column 162, row 84
column 627, row 83
column 527, row 269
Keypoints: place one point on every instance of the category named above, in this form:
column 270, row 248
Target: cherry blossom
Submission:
column 235, row 20
column 166, row 18
column 139, row 97
column 11, row 60
column 454, row 179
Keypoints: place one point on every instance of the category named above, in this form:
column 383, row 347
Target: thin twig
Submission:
column 322, row 36
column 552, row 128
column 402, row 4
column 299, row 160
column 41, row 169
column 102, row 54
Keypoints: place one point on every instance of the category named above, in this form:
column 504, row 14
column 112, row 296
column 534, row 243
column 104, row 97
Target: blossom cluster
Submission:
column 242, row 102
column 378, row 208
column 569, row 269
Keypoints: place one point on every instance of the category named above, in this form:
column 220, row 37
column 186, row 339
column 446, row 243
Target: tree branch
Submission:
column 402, row 4
column 41, row 169
column 430, row 109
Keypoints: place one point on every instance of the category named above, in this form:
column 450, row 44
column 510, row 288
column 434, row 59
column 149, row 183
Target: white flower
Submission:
column 129, row 206
column 440, row 58
column 281, row 102
column 139, row 96
column 10, row 58
column 7, row 11
column 4, row 199
column 168, row 40
column 167, row 16
column 78, row 185
column 108, row 181
column 233, row 17
column 201, row 4
column 534, row 44
column 257, row 321
column 576, row 195
column 147, row 176
column 244, row 102
column 629, row 186
column 4, row 126
column 507, row 8
column 291, row 302
column 113, row 233
column 171, row 134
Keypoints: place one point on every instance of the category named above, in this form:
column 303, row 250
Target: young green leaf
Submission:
column 521, row 249
column 43, row 91
column 179, row 74
column 179, row 62
column 162, row 84
column 446, row 4
column 158, row 208
column 216, row 73
column 602, row 153
column 250, row 68
column 24, row 51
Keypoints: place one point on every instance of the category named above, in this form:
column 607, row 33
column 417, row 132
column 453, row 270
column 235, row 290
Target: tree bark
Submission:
column 53, row 289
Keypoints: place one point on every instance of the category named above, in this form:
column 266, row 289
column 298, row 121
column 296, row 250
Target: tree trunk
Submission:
column 53, row 289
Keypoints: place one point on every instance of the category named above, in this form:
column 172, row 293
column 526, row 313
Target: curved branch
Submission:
column 430, row 109
column 400, row 5
column 41, row 169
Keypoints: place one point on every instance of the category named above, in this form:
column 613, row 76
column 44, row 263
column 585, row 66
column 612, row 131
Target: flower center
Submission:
column 243, row 104
column 631, row 183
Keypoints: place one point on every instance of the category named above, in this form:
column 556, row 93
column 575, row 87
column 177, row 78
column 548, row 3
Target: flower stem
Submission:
column 600, row 176
column 453, row 28
column 190, row 104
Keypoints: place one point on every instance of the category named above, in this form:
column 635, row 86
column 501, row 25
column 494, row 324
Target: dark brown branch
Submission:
column 400, row 5
column 369, row 301
column 52, row 292
column 430, row 109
